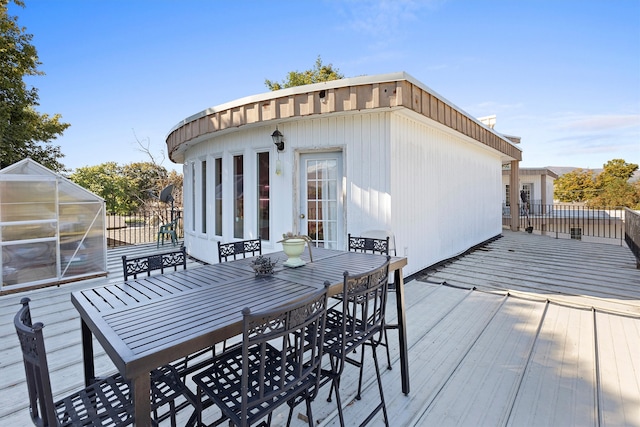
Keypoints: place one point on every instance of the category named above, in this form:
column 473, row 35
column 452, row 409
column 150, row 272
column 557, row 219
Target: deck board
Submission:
column 476, row 356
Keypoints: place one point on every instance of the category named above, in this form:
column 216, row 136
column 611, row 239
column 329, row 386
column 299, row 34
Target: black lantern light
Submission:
column 278, row 139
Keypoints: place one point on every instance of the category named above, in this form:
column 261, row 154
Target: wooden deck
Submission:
column 527, row 330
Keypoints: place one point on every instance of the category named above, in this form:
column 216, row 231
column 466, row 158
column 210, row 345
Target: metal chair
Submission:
column 374, row 245
column 278, row 362
column 107, row 401
column 359, row 323
column 148, row 263
column 382, row 234
column 369, row 245
column 233, row 249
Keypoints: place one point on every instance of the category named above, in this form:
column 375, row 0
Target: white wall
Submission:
column 437, row 191
column 446, row 192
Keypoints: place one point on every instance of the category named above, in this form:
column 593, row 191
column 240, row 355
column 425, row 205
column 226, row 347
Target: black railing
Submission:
column 570, row 221
column 632, row 233
column 138, row 228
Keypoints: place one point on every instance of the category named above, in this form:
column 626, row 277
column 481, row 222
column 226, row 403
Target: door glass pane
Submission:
column 322, row 203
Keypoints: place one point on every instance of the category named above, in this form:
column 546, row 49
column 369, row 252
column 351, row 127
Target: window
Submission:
column 263, row 195
column 193, row 197
column 204, row 196
column 238, row 196
column 508, row 196
column 576, row 233
column 218, row 201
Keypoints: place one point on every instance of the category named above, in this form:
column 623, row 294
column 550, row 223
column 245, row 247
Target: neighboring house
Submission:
column 537, row 184
column 380, row 152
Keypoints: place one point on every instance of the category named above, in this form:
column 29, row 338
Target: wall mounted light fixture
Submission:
column 278, row 139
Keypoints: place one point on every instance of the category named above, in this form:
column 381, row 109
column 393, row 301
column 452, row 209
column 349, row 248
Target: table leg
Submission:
column 141, row 387
column 402, row 330
column 87, row 355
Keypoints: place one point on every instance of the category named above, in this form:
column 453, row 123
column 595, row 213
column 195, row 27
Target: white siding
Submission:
column 439, row 192
column 446, row 192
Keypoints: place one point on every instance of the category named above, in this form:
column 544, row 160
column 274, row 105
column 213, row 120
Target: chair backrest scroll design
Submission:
column 244, row 247
column 369, row 245
column 149, row 263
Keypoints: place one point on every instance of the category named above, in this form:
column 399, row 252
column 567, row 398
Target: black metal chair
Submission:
column 368, row 245
column 374, row 246
column 148, row 263
column 244, row 247
column 359, row 323
column 278, row 362
column 107, row 401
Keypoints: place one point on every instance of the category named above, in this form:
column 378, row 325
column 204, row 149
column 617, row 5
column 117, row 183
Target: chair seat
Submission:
column 222, row 381
column 333, row 333
column 105, row 402
column 111, row 400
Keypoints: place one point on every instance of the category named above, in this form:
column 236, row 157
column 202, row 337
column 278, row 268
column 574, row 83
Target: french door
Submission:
column 321, row 207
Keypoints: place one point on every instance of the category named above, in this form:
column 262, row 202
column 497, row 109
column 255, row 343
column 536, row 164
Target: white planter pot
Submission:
column 293, row 248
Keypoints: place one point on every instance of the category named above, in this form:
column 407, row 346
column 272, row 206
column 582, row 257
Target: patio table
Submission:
column 148, row 322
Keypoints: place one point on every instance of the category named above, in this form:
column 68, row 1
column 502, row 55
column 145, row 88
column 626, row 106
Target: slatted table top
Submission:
column 150, row 321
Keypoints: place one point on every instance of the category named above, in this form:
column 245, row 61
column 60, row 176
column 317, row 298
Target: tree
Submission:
column 107, row 181
column 146, row 180
column 23, row 131
column 129, row 188
column 575, row 186
column 320, row 73
column 613, row 188
column 610, row 188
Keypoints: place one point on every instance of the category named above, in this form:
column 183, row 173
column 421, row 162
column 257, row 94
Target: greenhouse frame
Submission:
column 52, row 231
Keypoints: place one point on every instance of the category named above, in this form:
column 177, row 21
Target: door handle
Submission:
column 302, row 216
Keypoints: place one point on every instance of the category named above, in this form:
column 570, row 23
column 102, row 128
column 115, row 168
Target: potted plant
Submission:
column 263, row 266
column 293, row 246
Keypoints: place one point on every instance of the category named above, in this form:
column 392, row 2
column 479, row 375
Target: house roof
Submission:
column 533, row 171
column 385, row 91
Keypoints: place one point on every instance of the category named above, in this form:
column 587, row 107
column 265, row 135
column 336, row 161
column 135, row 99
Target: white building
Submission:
column 378, row 152
column 537, row 183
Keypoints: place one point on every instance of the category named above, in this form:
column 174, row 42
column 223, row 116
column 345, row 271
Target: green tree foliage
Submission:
column 129, row 188
column 319, row 73
column 575, row 186
column 107, row 181
column 23, row 131
column 613, row 188
column 609, row 189
column 146, row 180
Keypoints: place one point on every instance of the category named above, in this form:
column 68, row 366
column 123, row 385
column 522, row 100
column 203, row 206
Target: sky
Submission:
column 563, row 75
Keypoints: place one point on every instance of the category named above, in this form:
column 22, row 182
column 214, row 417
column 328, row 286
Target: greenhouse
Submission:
column 52, row 231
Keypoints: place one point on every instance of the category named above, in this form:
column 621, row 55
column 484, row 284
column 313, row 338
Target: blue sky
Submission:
column 563, row 75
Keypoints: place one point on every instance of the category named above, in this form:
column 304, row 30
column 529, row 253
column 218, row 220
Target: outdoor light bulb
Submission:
column 278, row 167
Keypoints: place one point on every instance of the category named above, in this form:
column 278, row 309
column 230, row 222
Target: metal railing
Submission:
column 141, row 227
column 632, row 233
column 571, row 221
